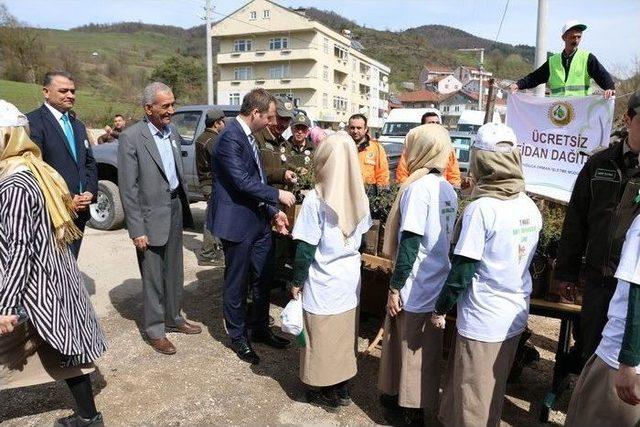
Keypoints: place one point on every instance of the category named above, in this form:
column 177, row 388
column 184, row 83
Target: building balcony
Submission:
column 270, row 84
column 253, row 56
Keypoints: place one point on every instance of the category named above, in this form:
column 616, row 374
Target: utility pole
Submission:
column 480, row 89
column 209, row 55
column 541, row 41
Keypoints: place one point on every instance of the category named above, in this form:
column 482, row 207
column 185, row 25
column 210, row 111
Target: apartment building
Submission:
column 283, row 51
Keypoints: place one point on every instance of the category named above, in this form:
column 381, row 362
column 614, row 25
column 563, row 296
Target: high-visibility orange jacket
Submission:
column 451, row 173
column 374, row 164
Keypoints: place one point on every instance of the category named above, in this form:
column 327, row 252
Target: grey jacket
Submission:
column 144, row 188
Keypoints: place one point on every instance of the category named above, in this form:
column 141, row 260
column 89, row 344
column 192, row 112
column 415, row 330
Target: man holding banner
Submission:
column 569, row 73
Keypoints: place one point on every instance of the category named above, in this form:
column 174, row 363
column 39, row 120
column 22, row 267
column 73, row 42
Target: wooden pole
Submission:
column 488, row 111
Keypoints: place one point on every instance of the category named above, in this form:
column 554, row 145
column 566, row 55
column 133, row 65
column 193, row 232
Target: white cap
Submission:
column 490, row 134
column 10, row 116
column 573, row 23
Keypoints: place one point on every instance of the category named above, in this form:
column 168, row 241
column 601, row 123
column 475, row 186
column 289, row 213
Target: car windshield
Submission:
column 397, row 128
column 186, row 122
column 467, row 127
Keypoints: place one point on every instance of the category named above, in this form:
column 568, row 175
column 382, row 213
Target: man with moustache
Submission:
column 64, row 144
column 154, row 197
column 569, row 73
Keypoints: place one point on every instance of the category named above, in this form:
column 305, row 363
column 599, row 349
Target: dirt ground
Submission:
column 205, row 383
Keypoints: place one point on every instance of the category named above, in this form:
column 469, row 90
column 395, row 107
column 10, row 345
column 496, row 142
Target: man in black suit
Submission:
column 64, row 144
column 240, row 213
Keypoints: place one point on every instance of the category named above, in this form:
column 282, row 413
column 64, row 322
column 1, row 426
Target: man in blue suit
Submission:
column 64, row 144
column 240, row 214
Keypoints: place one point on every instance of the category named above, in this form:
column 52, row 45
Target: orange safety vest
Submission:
column 374, row 164
column 451, row 173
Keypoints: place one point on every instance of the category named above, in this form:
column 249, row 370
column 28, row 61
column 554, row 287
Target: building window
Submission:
column 253, row 15
column 234, row 99
column 242, row 73
column 326, row 45
column 279, row 71
column 325, row 100
column 242, row 45
column 340, row 103
column 340, row 52
column 325, row 73
column 456, row 108
column 265, row 14
column 278, row 43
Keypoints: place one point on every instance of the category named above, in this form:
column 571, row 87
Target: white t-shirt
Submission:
column 428, row 208
column 502, row 235
column 333, row 285
column 628, row 272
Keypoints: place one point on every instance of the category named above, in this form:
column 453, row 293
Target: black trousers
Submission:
column 244, row 268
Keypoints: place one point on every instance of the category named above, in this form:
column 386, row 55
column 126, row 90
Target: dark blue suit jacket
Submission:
column 46, row 132
column 234, row 213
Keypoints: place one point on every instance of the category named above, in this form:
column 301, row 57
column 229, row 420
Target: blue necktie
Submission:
column 68, row 133
column 71, row 141
column 254, row 148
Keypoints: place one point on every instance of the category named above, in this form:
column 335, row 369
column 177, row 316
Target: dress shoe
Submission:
column 76, row 420
column 269, row 338
column 344, row 398
column 324, row 398
column 245, row 352
column 162, row 345
column 185, row 328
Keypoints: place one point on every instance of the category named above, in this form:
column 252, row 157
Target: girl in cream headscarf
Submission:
column 489, row 280
column 328, row 230
column 417, row 236
column 48, row 329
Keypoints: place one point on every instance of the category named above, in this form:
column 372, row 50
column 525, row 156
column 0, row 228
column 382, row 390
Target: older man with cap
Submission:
column 211, row 251
column 270, row 140
column 298, row 148
column 569, row 73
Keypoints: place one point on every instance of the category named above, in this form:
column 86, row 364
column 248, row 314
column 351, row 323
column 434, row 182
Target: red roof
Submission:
column 420, row 96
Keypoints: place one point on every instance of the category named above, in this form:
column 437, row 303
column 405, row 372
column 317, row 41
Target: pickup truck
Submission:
column 107, row 213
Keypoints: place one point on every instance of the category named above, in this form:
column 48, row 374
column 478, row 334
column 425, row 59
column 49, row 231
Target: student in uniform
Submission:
column 418, row 237
column 489, row 280
column 328, row 230
column 608, row 390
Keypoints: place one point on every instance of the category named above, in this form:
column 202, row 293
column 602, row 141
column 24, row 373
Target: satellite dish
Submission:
column 385, row 78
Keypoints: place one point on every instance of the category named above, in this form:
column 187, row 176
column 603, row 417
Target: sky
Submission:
column 611, row 35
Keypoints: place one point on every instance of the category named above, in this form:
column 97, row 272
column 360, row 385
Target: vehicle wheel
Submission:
column 107, row 213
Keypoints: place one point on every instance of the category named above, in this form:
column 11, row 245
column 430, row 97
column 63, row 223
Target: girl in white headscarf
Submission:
column 328, row 231
column 48, row 329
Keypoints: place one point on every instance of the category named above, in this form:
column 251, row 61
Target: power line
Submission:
column 504, row 13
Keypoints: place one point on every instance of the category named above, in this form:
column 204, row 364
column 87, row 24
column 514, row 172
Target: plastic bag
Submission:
column 292, row 322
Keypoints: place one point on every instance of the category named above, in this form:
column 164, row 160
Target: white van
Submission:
column 471, row 120
column 399, row 122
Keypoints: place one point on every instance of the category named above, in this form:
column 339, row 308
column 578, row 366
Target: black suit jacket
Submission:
column 46, row 132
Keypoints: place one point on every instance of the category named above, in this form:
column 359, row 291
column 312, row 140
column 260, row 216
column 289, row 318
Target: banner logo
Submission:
column 561, row 113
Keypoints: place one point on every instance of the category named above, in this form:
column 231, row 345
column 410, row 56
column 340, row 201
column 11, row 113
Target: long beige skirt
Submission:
column 26, row 359
column 594, row 401
column 329, row 356
column 411, row 360
column 477, row 382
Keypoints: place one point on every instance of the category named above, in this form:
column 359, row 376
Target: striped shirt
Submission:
column 43, row 277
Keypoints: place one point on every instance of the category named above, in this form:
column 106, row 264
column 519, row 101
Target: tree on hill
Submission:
column 22, row 49
column 184, row 75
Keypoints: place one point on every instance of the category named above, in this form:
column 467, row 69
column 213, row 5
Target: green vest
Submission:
column 578, row 79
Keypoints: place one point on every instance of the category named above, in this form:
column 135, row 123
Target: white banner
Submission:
column 557, row 135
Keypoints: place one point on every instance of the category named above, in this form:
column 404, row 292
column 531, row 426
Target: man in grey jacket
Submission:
column 152, row 189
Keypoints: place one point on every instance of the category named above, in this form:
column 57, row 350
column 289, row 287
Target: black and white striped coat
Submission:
column 42, row 276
